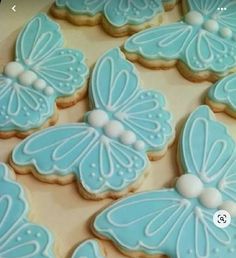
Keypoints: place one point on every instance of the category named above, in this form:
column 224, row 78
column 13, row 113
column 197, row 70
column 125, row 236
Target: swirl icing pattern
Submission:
column 42, row 72
column 18, row 236
column 107, row 152
column 204, row 40
column 178, row 222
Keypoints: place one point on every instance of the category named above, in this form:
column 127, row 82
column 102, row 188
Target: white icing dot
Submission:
column 38, row 235
column 226, row 32
column 189, row 186
column 40, row 84
column 113, row 129
column 48, row 91
column 93, row 165
column 27, row 78
column 93, row 174
column 98, row 118
column 28, row 232
column 229, row 206
column 100, row 179
column 18, row 239
column 121, row 173
column 13, row 69
column 128, row 137
column 211, row 198
column 194, row 18
column 139, row 145
column 211, row 25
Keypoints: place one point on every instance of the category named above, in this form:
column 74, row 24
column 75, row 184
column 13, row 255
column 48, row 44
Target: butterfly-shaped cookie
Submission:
column 178, row 222
column 119, row 17
column 43, row 74
column 107, row 153
column 88, row 249
column 203, row 43
column 222, row 95
column 18, row 236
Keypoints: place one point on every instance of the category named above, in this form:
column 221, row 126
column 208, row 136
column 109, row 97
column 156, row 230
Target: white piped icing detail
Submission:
column 194, row 18
column 211, row 198
column 139, row 145
column 27, row 78
column 113, row 129
column 13, row 69
column 48, row 91
column 98, row 118
column 40, row 84
column 229, row 206
column 128, row 137
column 211, row 25
column 226, row 32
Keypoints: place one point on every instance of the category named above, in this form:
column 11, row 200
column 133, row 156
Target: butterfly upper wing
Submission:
column 145, row 222
column 110, row 166
column 18, row 237
column 56, row 150
column 22, row 107
column 206, row 7
column 224, row 91
column 39, row 48
column 165, row 42
column 88, row 249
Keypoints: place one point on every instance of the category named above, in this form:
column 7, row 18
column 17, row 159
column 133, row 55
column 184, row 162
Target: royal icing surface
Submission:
column 178, row 222
column 88, row 249
column 224, row 92
column 117, row 12
column 107, row 152
column 205, row 39
column 18, row 236
column 43, row 70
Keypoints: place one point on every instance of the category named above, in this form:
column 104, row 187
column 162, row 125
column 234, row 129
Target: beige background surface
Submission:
column 61, row 208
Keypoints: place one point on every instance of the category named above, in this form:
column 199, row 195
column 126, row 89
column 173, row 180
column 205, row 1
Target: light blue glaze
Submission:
column 39, row 49
column 204, row 40
column 165, row 221
column 88, row 249
column 18, row 236
column 100, row 161
column 117, row 12
column 224, row 92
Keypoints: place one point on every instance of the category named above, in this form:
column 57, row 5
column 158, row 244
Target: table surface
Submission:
column 61, row 208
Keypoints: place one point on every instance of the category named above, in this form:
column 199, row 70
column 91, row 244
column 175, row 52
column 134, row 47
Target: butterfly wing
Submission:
column 22, row 107
column 146, row 222
column 88, row 249
column 224, row 92
column 39, row 48
column 166, row 42
column 56, row 150
column 110, row 166
column 18, row 237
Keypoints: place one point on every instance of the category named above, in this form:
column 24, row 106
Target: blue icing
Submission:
column 42, row 72
column 204, row 40
column 178, row 222
column 224, row 92
column 107, row 152
column 18, row 237
column 88, row 249
column 117, row 12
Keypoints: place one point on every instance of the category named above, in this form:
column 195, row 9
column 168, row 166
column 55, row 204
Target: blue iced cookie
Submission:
column 18, row 236
column 43, row 74
column 107, row 153
column 118, row 17
column 182, row 222
column 202, row 44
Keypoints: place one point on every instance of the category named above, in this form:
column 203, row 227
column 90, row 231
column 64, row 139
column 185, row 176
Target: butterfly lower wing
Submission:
column 146, row 222
column 110, row 166
column 166, row 42
column 224, row 92
column 205, row 146
column 56, row 150
column 22, row 107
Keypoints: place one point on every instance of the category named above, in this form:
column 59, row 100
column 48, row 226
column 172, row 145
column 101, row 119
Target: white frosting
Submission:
column 139, row 145
column 211, row 25
column 194, row 18
column 226, row 32
column 229, row 206
column 113, row 129
column 189, row 186
column 98, row 118
column 13, row 69
column 40, row 84
column 211, row 198
column 48, row 91
column 27, row 78
column 128, row 137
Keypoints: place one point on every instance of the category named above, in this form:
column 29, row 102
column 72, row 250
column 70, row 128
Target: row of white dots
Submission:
column 221, row 8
